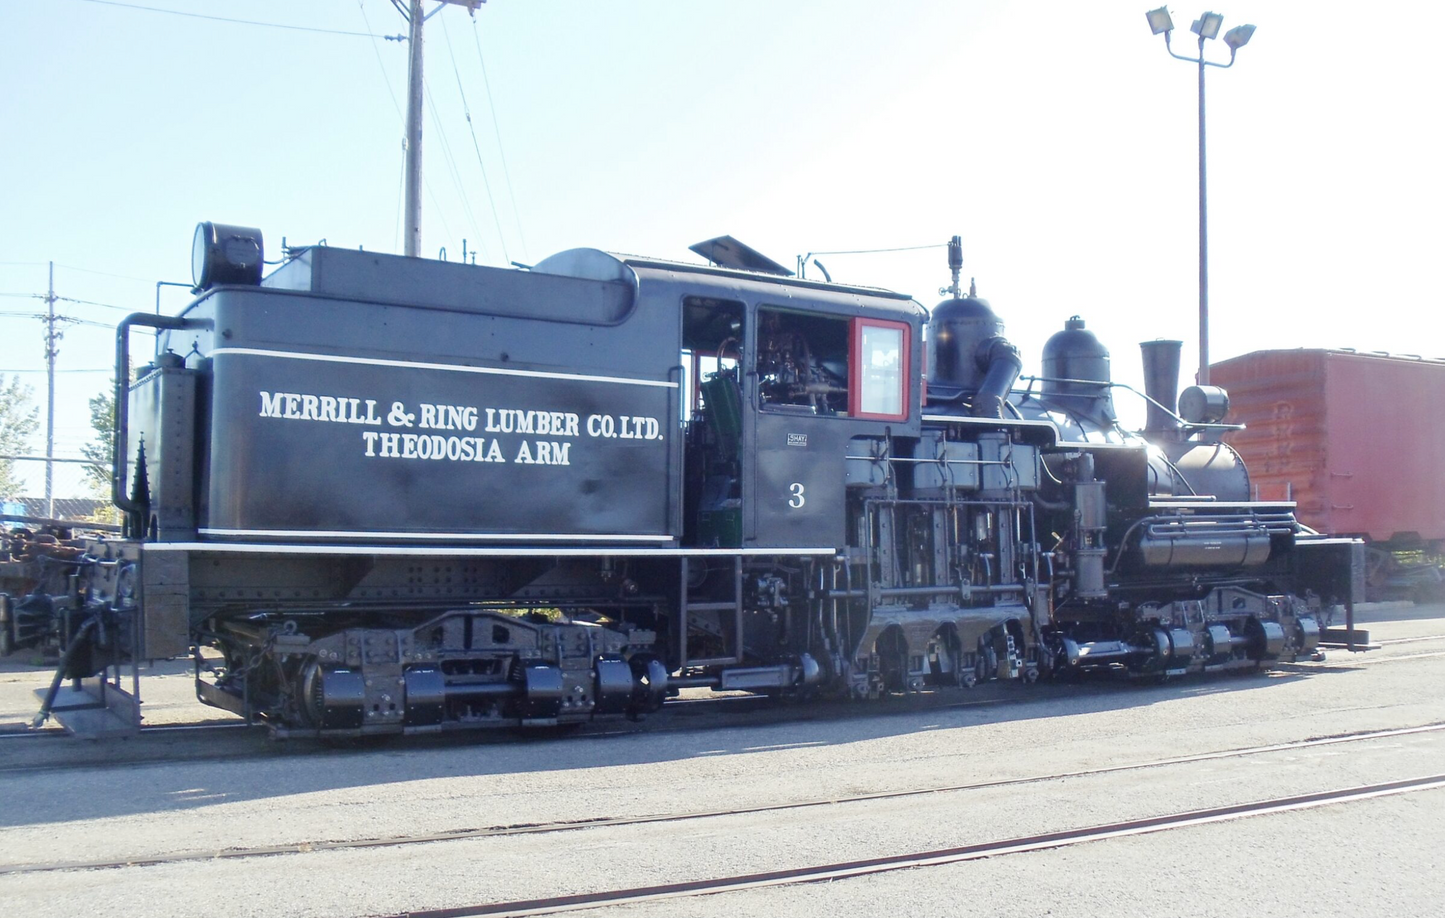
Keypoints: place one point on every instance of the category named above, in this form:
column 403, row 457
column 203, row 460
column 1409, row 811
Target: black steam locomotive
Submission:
column 402, row 495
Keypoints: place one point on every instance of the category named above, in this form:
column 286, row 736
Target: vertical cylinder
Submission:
column 50, row 352
column 1203, row 378
column 413, row 135
column 1161, row 381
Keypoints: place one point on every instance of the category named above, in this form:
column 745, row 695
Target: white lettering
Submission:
column 342, row 409
column 271, row 404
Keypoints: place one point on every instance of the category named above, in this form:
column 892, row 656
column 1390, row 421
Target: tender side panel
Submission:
column 331, row 446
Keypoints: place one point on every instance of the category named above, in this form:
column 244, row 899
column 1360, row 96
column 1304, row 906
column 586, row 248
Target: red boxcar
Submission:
column 1356, row 439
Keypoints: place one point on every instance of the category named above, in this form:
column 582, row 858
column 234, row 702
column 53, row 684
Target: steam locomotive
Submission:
column 374, row 494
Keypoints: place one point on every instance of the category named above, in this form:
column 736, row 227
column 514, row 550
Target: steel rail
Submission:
column 935, row 858
column 622, row 821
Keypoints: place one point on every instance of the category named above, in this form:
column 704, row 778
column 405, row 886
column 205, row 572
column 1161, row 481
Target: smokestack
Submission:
column 1161, row 381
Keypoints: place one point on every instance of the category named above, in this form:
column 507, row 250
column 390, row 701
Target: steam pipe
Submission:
column 1002, row 368
column 119, row 449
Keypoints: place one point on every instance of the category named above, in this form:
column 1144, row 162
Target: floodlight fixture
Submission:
column 1208, row 25
column 1238, row 37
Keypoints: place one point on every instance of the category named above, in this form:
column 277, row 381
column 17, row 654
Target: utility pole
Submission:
column 414, row 100
column 413, row 134
column 50, row 351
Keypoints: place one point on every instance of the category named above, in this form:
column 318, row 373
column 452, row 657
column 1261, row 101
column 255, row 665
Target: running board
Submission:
column 1350, row 638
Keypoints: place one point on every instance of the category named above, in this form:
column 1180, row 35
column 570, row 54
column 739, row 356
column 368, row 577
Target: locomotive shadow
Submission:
column 1379, row 613
column 262, row 770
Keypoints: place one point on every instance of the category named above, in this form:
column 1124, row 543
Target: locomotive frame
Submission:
column 402, row 496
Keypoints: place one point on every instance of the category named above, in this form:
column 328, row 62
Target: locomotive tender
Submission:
column 404, row 495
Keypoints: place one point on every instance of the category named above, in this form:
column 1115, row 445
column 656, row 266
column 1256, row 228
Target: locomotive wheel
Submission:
column 945, row 657
column 892, row 650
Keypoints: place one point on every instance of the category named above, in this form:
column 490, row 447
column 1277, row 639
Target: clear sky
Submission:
column 1057, row 138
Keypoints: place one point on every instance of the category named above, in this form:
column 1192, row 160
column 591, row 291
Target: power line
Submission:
column 252, row 22
column 907, row 248
column 72, row 319
column 84, row 370
column 451, row 161
column 93, row 303
column 466, row 109
column 143, row 280
column 386, row 81
column 385, row 77
column 67, row 299
column 496, row 128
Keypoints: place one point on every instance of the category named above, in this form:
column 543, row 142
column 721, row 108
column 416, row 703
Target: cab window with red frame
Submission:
column 878, row 386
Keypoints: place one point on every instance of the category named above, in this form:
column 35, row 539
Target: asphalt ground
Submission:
column 64, row 801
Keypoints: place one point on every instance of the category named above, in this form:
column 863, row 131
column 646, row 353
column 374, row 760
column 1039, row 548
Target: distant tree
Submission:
column 98, row 451
column 18, row 420
column 102, row 446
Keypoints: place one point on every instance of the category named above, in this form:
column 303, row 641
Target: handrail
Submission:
column 119, row 448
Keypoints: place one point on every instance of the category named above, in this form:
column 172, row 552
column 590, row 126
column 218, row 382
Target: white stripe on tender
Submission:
column 457, row 368
column 434, row 536
column 467, row 551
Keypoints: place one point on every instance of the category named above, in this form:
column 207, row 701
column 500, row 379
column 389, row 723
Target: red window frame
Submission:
column 855, row 368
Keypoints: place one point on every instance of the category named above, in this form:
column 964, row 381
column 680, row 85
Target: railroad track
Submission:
column 679, row 716
column 619, row 821
column 934, row 858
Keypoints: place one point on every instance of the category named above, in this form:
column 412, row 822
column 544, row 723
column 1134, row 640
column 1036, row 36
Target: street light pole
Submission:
column 1203, row 378
column 1206, row 26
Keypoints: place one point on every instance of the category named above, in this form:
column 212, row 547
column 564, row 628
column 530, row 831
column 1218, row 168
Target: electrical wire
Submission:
column 386, row 79
column 497, row 129
column 270, row 25
column 67, row 299
column 45, row 318
column 93, row 303
column 451, row 162
column 144, row 280
column 466, row 109
column 907, row 248
column 400, row 194
column 86, row 370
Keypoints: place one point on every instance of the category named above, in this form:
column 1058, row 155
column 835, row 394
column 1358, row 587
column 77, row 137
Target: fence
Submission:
column 79, row 490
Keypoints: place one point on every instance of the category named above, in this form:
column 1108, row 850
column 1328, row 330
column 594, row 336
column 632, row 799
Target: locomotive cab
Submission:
column 786, row 379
